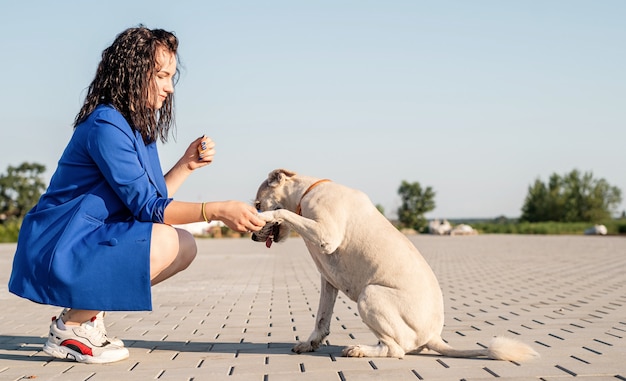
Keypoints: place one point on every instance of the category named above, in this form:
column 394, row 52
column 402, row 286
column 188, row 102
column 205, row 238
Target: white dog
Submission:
column 358, row 251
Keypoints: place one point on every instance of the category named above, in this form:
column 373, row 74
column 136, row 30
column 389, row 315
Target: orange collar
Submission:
column 299, row 208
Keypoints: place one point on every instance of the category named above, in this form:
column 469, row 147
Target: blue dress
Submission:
column 86, row 244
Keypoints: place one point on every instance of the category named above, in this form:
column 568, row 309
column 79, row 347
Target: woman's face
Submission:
column 164, row 79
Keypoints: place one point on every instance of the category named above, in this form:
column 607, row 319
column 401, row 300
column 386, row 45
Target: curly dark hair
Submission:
column 125, row 78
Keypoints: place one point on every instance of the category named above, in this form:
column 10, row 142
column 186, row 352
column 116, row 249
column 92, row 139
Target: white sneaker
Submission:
column 99, row 324
column 83, row 343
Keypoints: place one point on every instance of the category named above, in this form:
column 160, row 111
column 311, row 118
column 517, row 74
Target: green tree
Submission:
column 574, row 197
column 535, row 204
column 20, row 188
column 416, row 202
column 544, row 201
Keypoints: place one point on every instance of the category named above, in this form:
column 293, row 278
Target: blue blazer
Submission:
column 86, row 244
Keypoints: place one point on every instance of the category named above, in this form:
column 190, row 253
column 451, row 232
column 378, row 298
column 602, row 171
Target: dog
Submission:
column 360, row 253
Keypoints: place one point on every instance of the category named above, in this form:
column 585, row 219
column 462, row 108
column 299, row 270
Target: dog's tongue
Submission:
column 268, row 242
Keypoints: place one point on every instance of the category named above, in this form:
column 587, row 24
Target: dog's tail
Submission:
column 500, row 348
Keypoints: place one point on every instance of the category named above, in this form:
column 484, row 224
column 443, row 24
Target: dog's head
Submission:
column 272, row 195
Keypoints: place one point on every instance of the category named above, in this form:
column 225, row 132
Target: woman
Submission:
column 101, row 234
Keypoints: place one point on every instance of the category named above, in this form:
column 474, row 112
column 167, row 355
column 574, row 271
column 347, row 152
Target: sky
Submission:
column 475, row 99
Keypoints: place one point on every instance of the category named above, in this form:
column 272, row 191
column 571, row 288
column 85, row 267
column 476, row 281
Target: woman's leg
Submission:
column 79, row 335
column 171, row 250
column 77, row 317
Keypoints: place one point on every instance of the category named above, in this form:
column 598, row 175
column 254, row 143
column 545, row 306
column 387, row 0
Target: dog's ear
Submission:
column 279, row 176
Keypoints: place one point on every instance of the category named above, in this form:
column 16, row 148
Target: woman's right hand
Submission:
column 200, row 153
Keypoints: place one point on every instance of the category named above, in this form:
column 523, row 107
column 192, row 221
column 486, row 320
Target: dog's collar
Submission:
column 299, row 207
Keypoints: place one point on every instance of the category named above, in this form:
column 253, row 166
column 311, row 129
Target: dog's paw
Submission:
column 267, row 216
column 271, row 216
column 353, row 351
column 303, row 347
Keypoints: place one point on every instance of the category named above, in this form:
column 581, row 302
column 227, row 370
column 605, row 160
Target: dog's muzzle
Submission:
column 269, row 233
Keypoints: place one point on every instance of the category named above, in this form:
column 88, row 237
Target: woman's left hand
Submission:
column 199, row 153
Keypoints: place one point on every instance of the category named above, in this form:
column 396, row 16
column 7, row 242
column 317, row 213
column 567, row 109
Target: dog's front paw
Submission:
column 303, row 347
column 353, row 351
column 267, row 216
column 271, row 216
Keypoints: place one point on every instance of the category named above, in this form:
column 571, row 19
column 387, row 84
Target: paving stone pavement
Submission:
column 238, row 310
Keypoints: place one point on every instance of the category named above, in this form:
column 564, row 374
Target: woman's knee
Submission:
column 164, row 247
column 187, row 248
column 171, row 248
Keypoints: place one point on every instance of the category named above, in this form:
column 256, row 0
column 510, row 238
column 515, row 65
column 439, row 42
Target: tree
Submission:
column 415, row 203
column 543, row 202
column 20, row 188
column 574, row 197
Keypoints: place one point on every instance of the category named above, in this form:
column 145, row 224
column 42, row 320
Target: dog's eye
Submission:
column 257, row 205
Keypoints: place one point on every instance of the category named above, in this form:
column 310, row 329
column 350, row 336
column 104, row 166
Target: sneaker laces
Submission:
column 95, row 333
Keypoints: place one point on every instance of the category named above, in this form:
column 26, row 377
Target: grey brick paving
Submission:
column 237, row 311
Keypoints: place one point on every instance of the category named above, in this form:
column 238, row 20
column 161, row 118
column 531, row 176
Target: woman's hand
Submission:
column 237, row 215
column 199, row 153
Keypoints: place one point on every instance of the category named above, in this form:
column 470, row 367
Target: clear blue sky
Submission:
column 476, row 99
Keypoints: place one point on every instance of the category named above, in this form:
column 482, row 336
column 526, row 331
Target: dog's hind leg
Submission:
column 382, row 312
column 328, row 296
